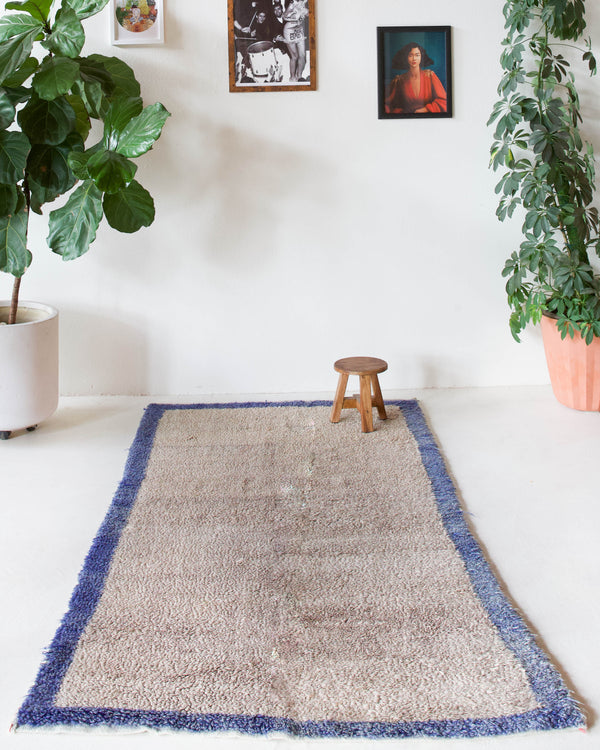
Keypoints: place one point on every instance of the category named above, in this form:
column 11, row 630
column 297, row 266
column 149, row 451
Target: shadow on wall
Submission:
column 98, row 351
column 254, row 181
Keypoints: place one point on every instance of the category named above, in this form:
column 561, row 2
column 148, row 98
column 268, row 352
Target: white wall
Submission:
column 296, row 228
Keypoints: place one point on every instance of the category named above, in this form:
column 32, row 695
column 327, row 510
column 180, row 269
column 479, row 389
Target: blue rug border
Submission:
column 559, row 709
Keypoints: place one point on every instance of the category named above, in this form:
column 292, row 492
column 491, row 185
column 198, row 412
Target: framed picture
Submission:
column 414, row 71
column 137, row 21
column 272, row 45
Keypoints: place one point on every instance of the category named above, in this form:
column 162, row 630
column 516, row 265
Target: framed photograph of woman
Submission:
column 137, row 21
column 272, row 45
column 414, row 71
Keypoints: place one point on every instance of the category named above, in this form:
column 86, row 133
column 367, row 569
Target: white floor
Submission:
column 527, row 470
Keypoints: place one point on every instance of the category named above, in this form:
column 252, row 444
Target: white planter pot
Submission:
column 28, row 366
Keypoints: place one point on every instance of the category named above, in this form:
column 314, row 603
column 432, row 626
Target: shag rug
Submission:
column 263, row 570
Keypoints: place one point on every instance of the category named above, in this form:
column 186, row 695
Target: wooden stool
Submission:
column 366, row 368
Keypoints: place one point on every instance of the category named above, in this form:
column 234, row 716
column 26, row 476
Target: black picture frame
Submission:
column 397, row 98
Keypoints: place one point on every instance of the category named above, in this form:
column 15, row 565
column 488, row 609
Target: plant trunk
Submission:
column 14, row 302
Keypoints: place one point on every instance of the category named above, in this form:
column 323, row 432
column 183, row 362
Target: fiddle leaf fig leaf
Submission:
column 55, row 77
column 129, row 209
column 16, row 25
column 22, row 73
column 111, row 171
column 82, row 119
column 87, row 8
column 78, row 161
column 92, row 96
column 15, row 258
column 78, row 164
column 93, row 71
column 14, row 148
column 8, row 200
column 38, row 196
column 38, row 9
column 47, row 121
column 119, row 113
column 46, row 165
column 67, row 37
column 49, row 165
column 121, row 76
column 73, row 227
column 7, row 110
column 14, row 52
column 141, row 132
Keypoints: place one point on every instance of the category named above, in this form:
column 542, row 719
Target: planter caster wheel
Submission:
column 32, row 428
column 5, row 434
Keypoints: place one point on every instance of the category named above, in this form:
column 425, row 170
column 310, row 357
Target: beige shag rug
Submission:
column 262, row 569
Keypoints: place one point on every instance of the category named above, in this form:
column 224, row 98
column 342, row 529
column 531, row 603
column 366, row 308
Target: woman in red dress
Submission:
column 417, row 91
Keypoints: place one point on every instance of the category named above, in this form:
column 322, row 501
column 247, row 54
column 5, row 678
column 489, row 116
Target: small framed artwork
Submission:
column 272, row 45
column 137, row 21
column 414, row 71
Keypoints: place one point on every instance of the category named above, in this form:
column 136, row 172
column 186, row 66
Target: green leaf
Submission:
column 92, row 96
column 55, row 77
column 78, row 161
column 78, row 164
column 111, row 171
column 15, row 51
column 129, row 209
column 39, row 196
column 122, row 77
column 14, row 148
column 87, row 8
column 49, row 166
column 82, row 119
column 7, row 110
column 140, row 134
column 47, row 121
column 17, row 95
column 8, row 200
column 67, row 37
column 14, row 255
column 20, row 24
column 94, row 71
column 120, row 112
column 73, row 227
column 22, row 73
column 39, row 9
column 591, row 60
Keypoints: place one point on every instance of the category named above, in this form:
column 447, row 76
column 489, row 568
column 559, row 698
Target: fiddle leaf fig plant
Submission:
column 49, row 96
column 548, row 174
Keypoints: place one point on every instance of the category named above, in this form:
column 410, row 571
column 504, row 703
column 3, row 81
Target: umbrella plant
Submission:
column 548, row 170
column 49, row 96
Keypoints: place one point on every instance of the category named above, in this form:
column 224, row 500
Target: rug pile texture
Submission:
column 263, row 570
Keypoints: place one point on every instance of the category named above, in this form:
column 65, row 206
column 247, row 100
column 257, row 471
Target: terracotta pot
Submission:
column 28, row 365
column 574, row 367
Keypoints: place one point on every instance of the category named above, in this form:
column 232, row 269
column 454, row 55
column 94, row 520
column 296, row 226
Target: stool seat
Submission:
column 367, row 369
column 360, row 365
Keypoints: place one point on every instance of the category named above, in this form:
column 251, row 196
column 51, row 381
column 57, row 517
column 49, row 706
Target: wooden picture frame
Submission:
column 271, row 45
column 414, row 71
column 137, row 21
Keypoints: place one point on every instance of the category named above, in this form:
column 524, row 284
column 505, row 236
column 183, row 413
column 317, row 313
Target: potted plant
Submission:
column 47, row 106
column 549, row 179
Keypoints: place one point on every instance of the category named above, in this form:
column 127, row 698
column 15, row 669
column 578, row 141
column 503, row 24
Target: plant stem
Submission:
column 14, row 303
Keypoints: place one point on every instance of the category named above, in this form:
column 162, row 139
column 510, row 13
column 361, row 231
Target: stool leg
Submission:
column 336, row 409
column 366, row 409
column 377, row 397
